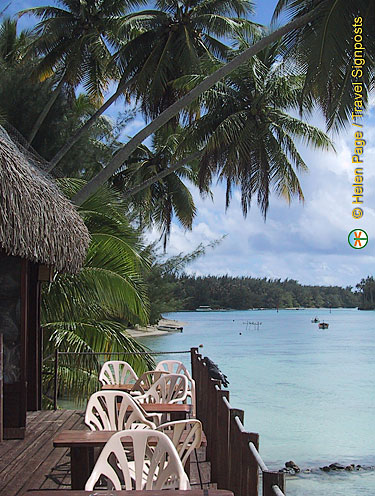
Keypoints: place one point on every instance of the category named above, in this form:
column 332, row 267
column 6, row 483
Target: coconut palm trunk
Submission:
column 82, row 130
column 45, row 111
column 186, row 100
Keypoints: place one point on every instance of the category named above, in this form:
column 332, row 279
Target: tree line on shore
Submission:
column 188, row 292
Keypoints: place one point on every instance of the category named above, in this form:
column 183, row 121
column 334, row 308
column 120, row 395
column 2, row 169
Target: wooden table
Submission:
column 118, row 387
column 176, row 411
column 82, row 444
column 170, row 492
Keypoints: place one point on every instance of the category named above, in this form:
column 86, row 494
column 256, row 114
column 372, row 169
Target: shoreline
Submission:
column 152, row 330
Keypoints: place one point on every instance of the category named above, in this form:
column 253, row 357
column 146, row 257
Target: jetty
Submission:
column 228, row 464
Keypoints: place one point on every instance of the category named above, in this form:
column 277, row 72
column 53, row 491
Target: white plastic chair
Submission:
column 186, row 436
column 115, row 411
column 164, row 467
column 177, row 367
column 116, row 372
column 145, row 381
column 169, row 388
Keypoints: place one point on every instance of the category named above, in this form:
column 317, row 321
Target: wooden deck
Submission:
column 33, row 463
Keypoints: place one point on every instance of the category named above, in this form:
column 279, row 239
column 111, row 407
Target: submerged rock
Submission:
column 325, row 468
column 336, row 466
column 293, row 466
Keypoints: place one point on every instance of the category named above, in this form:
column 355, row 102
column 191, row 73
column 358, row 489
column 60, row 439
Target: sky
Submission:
column 304, row 241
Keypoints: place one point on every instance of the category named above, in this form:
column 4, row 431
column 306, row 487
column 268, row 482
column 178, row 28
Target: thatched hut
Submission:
column 40, row 230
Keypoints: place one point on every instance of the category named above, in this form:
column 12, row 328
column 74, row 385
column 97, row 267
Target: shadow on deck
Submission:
column 33, row 462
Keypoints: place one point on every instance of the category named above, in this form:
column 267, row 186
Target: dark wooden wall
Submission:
column 13, row 325
column 20, row 327
column 34, row 341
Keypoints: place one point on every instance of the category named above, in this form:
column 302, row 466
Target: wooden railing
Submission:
column 232, row 451
column 1, row 387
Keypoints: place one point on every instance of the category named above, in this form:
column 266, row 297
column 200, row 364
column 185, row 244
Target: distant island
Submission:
column 172, row 290
column 242, row 293
column 179, row 292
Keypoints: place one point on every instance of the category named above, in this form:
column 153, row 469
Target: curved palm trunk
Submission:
column 161, row 174
column 45, row 111
column 186, row 100
column 82, row 130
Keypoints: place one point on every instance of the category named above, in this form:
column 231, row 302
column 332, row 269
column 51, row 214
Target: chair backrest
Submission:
column 148, row 447
column 186, row 436
column 114, row 411
column 169, row 388
column 117, row 372
column 146, row 380
column 177, row 367
column 174, row 367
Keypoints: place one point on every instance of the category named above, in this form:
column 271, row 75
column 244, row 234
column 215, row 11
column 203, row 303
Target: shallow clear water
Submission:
column 308, row 392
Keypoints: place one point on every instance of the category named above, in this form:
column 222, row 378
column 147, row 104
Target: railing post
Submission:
column 250, row 474
column 205, row 378
column 55, row 379
column 271, row 479
column 212, row 433
column 235, row 453
column 193, row 358
column 211, row 416
column 224, row 451
column 198, row 371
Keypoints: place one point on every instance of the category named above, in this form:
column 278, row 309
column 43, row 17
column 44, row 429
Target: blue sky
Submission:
column 308, row 241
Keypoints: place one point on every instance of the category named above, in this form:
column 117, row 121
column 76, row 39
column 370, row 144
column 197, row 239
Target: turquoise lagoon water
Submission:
column 308, row 392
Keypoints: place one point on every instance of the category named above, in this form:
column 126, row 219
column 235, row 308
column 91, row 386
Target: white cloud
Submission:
column 305, row 242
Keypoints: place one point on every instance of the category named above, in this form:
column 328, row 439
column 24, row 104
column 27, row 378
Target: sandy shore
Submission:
column 139, row 331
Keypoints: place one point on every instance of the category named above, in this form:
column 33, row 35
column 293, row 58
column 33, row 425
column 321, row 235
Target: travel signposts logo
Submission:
column 358, row 239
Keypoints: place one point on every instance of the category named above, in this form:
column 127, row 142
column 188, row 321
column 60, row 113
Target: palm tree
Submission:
column 122, row 155
column 158, row 203
column 12, row 49
column 247, row 136
column 312, row 15
column 12, row 45
column 167, row 43
column 171, row 42
column 90, row 311
column 325, row 48
column 76, row 45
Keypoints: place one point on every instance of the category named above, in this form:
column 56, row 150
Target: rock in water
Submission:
column 293, row 466
column 336, row 466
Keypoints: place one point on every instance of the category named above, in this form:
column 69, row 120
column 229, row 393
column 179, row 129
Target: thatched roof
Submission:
column 36, row 221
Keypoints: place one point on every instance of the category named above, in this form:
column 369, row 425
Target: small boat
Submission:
column 169, row 328
column 323, row 325
column 315, row 321
column 203, row 308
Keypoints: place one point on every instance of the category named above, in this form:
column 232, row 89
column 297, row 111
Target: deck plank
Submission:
column 49, row 457
column 30, row 459
column 33, row 463
column 61, row 469
column 11, row 449
column 15, row 465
